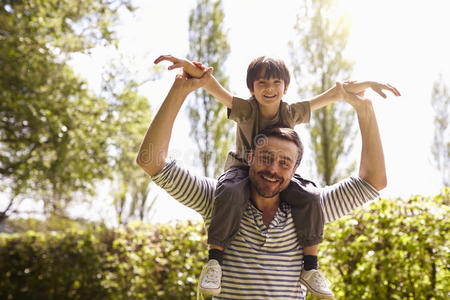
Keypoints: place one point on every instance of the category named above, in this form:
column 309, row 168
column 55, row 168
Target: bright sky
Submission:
column 404, row 43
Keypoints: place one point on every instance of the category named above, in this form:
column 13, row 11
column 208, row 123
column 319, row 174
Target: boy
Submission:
column 267, row 80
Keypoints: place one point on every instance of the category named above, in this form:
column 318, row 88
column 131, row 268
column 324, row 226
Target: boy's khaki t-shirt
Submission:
column 249, row 121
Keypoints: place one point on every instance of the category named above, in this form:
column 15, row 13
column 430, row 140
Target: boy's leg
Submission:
column 230, row 201
column 310, row 257
column 304, row 200
column 216, row 252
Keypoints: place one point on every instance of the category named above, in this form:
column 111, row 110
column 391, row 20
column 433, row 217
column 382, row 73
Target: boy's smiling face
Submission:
column 268, row 91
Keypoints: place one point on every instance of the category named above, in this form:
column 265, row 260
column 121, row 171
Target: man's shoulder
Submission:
column 173, row 170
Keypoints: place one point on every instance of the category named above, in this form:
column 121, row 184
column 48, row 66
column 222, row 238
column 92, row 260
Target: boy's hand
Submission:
column 201, row 66
column 176, row 62
column 379, row 87
column 193, row 69
column 357, row 87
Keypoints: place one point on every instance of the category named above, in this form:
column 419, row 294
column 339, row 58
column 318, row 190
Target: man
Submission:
column 264, row 259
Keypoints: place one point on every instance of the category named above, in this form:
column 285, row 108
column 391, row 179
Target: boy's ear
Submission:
column 285, row 89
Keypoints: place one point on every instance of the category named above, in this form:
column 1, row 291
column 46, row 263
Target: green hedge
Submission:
column 391, row 249
column 135, row 262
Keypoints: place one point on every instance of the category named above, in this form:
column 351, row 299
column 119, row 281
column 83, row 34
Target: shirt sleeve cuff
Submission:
column 240, row 110
column 161, row 175
column 369, row 188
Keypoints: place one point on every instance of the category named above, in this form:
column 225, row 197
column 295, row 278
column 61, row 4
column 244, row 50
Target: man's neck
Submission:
column 268, row 206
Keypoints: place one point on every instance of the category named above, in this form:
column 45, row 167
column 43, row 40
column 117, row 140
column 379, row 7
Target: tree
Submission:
column 130, row 115
column 440, row 100
column 209, row 125
column 53, row 131
column 318, row 62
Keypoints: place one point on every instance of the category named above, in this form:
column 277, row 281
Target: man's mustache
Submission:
column 271, row 175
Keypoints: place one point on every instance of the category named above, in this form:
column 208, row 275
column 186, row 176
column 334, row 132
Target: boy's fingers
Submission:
column 199, row 65
column 393, row 90
column 164, row 57
column 174, row 66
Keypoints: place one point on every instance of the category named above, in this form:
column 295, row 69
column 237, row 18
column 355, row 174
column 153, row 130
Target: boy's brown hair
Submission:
column 267, row 67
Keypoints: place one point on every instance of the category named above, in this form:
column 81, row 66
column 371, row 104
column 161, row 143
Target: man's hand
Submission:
column 188, row 84
column 354, row 99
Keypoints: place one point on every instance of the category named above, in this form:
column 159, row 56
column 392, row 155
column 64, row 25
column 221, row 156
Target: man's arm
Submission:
column 197, row 70
column 372, row 166
column 154, row 148
column 190, row 190
column 343, row 197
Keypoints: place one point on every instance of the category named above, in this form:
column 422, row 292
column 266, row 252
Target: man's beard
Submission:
column 258, row 185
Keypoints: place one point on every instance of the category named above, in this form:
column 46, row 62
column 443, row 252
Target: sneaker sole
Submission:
column 210, row 292
column 314, row 292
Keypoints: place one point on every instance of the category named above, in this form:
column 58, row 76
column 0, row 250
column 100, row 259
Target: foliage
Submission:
column 133, row 262
column 53, row 131
column 318, row 62
column 390, row 249
column 209, row 126
column 440, row 100
column 51, row 223
column 129, row 116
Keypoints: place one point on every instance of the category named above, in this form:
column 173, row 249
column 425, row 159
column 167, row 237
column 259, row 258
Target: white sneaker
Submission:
column 317, row 283
column 210, row 278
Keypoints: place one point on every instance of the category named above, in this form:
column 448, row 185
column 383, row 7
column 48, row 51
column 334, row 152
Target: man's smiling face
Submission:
column 272, row 166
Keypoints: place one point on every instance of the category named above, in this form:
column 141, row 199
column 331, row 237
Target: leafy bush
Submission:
column 390, row 249
column 134, row 262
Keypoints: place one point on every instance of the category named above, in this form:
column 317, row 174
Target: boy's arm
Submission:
column 329, row 96
column 213, row 87
column 197, row 70
column 334, row 94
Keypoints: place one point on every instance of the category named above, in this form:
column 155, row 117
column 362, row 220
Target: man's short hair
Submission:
column 266, row 67
column 281, row 132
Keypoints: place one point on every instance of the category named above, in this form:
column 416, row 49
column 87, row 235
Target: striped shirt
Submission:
column 261, row 262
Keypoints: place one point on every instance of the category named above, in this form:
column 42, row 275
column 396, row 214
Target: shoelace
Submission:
column 207, row 278
column 320, row 279
column 211, row 274
column 199, row 295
